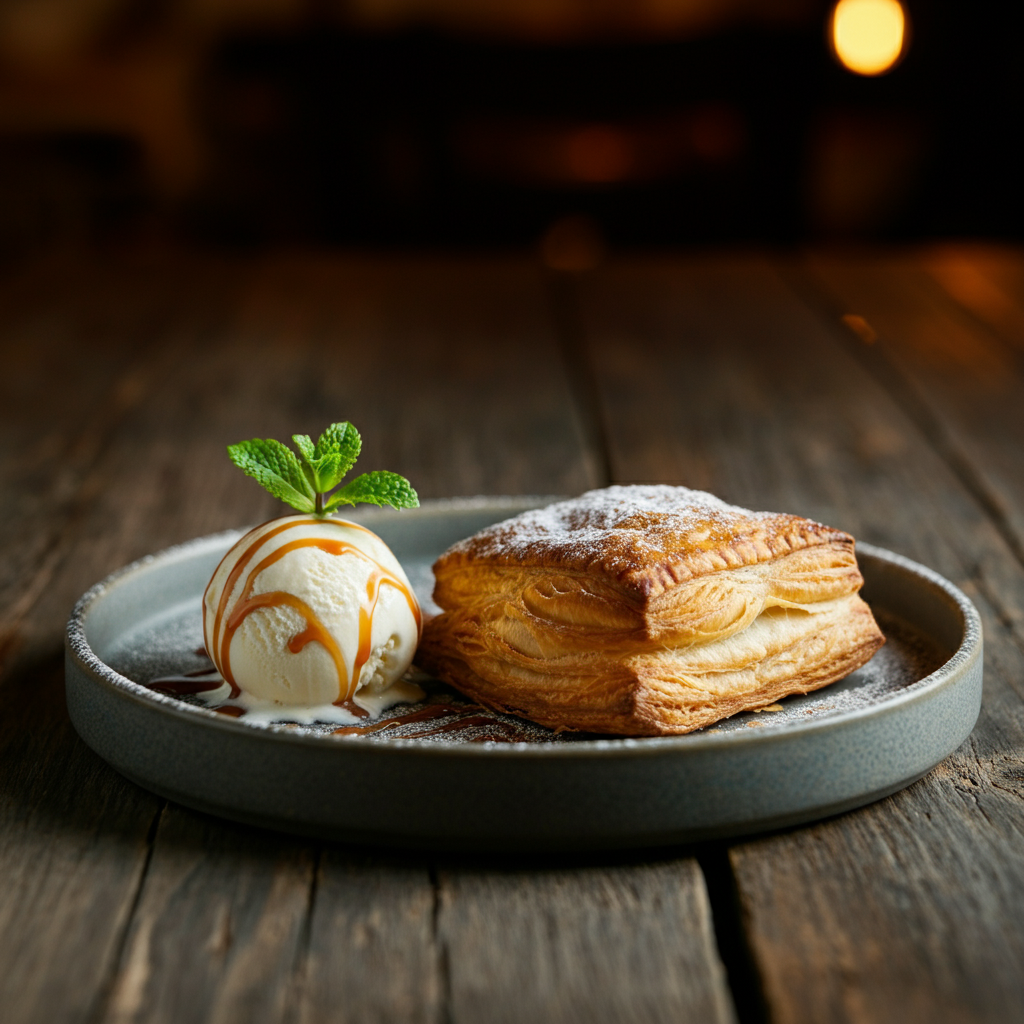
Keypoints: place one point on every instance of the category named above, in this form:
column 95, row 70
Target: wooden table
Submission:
column 123, row 380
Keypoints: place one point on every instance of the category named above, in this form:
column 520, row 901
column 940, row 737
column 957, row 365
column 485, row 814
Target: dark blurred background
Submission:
column 500, row 123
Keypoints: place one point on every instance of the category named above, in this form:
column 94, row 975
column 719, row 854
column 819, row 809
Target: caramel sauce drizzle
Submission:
column 188, row 682
column 423, row 715
column 315, row 631
column 237, row 571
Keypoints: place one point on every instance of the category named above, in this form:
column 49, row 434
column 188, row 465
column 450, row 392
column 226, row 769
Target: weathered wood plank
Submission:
column 967, row 384
column 986, row 280
column 80, row 350
column 73, row 847
column 81, row 345
column 372, row 955
column 458, row 368
column 495, row 402
column 715, row 376
column 582, row 943
column 907, row 911
column 218, row 927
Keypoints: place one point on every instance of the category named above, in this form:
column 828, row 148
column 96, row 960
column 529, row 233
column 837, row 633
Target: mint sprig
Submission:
column 305, row 484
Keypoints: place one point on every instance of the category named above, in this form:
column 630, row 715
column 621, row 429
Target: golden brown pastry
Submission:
column 646, row 610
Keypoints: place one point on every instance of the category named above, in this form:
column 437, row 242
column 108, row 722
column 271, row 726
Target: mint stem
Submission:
column 319, row 510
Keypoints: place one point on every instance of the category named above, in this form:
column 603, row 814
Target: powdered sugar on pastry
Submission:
column 646, row 537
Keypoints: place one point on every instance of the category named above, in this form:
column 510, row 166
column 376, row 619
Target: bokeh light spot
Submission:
column 868, row 36
column 598, row 155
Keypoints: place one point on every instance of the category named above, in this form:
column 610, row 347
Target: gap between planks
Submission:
column 742, row 975
column 444, row 967
column 299, row 969
column 110, row 984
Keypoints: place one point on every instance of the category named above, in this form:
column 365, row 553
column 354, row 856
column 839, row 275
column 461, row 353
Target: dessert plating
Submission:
column 308, row 611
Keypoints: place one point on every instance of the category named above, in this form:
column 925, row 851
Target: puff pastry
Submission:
column 646, row 610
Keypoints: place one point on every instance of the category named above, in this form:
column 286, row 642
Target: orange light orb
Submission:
column 868, row 36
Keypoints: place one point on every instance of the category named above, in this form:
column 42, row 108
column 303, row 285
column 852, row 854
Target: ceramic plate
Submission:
column 447, row 774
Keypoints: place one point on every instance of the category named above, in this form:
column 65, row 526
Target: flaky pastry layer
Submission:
column 641, row 539
column 646, row 610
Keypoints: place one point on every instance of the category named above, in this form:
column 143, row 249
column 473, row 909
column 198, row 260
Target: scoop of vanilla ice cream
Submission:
column 308, row 611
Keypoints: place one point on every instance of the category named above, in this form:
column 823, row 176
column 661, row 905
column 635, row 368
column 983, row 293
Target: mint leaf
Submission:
column 343, row 440
column 324, row 460
column 376, row 488
column 276, row 468
column 329, row 473
column 311, row 464
column 305, row 446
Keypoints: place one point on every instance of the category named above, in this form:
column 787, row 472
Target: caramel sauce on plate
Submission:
column 202, row 681
column 231, row 710
column 467, row 723
column 465, row 719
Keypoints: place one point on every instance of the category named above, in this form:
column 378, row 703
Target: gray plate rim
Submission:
column 947, row 674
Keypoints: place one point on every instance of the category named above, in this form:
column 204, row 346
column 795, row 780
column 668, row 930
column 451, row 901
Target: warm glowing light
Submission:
column 598, row 155
column 868, row 35
column 861, row 328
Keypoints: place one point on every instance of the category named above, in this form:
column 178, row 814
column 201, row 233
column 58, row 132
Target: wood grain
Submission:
column 216, row 933
column 73, row 848
column 113, row 337
column 965, row 382
column 75, row 363
column 583, row 944
column 81, row 349
column 372, row 954
column 128, row 382
column 715, row 375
